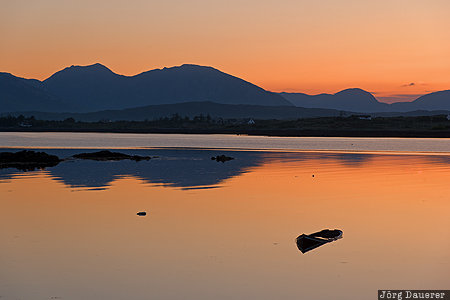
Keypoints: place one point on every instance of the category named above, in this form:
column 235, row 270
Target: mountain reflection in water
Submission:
column 187, row 169
column 176, row 168
column 224, row 231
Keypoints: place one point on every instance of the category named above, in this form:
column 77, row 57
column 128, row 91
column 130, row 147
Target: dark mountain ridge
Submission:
column 353, row 99
column 362, row 101
column 96, row 87
column 19, row 93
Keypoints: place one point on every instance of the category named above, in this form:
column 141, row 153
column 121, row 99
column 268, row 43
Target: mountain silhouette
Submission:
column 353, row 99
column 95, row 87
column 433, row 101
column 17, row 94
column 358, row 100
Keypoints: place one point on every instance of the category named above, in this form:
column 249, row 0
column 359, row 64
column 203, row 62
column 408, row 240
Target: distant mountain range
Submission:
column 95, row 88
column 361, row 101
column 350, row 99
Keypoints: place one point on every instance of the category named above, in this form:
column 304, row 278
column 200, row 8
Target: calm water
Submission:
column 126, row 140
column 224, row 230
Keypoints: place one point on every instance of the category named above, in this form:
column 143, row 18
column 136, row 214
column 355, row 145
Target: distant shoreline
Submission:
column 259, row 132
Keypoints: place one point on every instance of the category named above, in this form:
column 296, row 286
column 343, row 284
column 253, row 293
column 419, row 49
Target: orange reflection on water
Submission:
column 236, row 241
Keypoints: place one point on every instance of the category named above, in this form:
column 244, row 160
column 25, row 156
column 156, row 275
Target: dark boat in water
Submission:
column 308, row 242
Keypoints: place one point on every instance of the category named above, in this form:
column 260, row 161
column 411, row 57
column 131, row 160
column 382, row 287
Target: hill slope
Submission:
column 18, row 94
column 191, row 109
column 437, row 100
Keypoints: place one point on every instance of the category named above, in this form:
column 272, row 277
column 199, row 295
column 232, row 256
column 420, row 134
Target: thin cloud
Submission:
column 411, row 84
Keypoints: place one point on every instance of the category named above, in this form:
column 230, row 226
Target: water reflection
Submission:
column 229, row 242
column 177, row 168
column 191, row 169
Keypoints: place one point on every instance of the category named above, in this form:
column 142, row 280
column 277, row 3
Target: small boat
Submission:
column 308, row 242
column 328, row 234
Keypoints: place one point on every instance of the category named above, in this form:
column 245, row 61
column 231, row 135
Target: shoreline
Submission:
column 258, row 132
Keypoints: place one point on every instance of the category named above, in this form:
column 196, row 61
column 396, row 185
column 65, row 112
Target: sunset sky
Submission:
column 393, row 48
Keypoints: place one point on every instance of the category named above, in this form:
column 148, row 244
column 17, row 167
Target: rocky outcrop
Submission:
column 27, row 160
column 106, row 155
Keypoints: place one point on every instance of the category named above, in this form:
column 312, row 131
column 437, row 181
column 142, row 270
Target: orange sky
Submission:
column 388, row 47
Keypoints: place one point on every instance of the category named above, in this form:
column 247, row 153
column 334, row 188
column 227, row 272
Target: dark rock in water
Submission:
column 142, row 213
column 108, row 155
column 222, row 158
column 308, row 242
column 27, row 160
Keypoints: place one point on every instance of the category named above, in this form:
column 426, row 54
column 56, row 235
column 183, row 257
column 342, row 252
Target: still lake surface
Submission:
column 224, row 230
